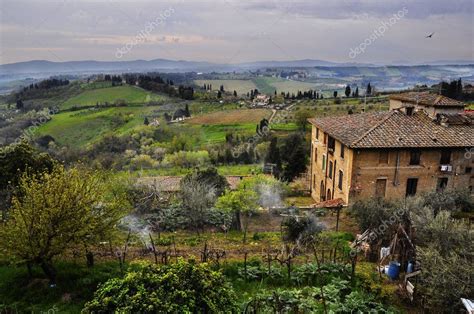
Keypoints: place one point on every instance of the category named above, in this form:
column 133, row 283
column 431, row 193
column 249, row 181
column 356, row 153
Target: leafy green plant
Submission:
column 183, row 287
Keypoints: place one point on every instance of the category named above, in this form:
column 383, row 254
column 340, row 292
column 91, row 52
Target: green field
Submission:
column 282, row 85
column 125, row 93
column 215, row 133
column 81, row 128
column 241, row 86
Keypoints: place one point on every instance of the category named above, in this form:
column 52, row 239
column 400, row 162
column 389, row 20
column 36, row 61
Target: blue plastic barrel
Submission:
column 393, row 270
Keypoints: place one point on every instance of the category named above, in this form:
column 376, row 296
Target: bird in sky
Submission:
column 430, row 35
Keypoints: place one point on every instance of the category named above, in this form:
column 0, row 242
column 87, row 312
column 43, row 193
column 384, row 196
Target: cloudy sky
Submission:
column 232, row 31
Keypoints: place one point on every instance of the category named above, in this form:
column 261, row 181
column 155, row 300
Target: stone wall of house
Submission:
column 321, row 181
column 369, row 166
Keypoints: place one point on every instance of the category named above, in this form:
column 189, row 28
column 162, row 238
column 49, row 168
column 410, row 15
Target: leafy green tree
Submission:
column 302, row 117
column 15, row 159
column 210, row 177
column 294, row 154
column 242, row 203
column 347, row 91
column 55, row 211
column 183, row 287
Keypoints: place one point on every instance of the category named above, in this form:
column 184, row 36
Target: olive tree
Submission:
column 56, row 211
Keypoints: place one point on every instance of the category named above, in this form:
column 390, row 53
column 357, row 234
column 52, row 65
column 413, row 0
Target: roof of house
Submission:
column 427, row 99
column 171, row 183
column 394, row 129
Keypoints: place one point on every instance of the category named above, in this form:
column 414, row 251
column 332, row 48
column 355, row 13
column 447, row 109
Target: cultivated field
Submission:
column 232, row 116
column 241, row 86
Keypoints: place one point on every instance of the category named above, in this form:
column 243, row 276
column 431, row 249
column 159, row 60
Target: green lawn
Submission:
column 126, row 93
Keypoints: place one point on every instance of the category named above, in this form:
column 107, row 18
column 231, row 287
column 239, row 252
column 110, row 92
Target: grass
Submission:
column 232, row 116
column 76, row 285
column 242, row 87
column 125, row 93
column 81, row 128
column 227, row 170
column 216, row 133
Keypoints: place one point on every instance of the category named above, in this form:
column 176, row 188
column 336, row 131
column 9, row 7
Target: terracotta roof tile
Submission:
column 427, row 99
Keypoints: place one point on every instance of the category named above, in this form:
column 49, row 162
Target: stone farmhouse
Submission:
column 425, row 142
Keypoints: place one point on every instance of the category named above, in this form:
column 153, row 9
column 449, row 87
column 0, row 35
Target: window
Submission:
column 442, row 184
column 445, row 157
column 330, row 169
column 342, row 150
column 409, row 111
column 411, row 186
column 331, row 144
column 468, row 170
column 324, row 162
column 380, row 187
column 415, row 157
column 383, row 157
column 315, row 154
column 324, row 138
column 317, row 133
column 314, row 182
column 341, row 177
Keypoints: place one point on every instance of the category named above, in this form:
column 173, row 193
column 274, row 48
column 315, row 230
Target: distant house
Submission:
column 261, row 100
column 170, row 184
column 154, row 122
column 179, row 115
column 423, row 143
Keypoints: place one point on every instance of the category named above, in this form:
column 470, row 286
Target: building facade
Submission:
column 414, row 147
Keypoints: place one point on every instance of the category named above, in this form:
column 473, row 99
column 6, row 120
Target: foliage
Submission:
column 269, row 190
column 18, row 158
column 196, row 198
column 302, row 117
column 373, row 213
column 294, row 154
column 187, row 159
column 300, row 229
column 56, row 210
column 183, row 287
column 209, row 177
column 452, row 200
column 445, row 250
column 242, row 203
column 310, row 300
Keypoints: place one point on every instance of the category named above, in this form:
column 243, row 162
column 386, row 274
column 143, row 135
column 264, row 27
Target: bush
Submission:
column 187, row 159
column 301, row 229
column 184, row 287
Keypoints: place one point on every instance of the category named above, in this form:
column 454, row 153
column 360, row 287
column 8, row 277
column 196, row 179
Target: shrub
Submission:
column 184, row 287
column 187, row 159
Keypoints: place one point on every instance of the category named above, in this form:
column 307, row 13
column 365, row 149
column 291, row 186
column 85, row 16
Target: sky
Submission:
column 235, row 31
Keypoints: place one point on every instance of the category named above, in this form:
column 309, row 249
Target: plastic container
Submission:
column 410, row 267
column 393, row 270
